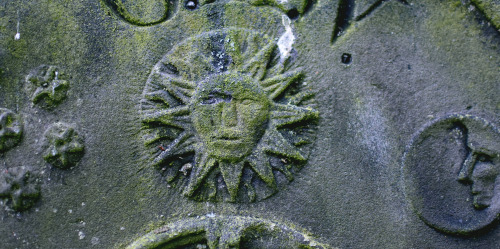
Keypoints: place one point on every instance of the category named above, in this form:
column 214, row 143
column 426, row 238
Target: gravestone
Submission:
column 250, row 124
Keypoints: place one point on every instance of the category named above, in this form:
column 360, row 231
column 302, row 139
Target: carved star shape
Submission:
column 65, row 147
column 10, row 129
column 21, row 186
column 49, row 89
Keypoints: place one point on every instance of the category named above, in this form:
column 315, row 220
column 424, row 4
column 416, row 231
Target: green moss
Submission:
column 143, row 12
column 461, row 43
column 491, row 9
column 224, row 232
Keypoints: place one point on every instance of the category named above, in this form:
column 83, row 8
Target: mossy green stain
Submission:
column 230, row 112
column 143, row 13
column 491, row 9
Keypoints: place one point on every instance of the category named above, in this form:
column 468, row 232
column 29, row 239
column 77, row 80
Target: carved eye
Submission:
column 212, row 100
column 142, row 13
column 483, row 157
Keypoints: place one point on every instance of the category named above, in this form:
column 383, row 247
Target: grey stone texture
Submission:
column 225, row 123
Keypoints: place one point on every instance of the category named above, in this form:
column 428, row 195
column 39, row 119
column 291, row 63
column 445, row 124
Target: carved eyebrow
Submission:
column 216, row 96
column 224, row 95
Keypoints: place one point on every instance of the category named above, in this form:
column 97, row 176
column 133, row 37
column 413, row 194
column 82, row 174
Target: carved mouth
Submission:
column 227, row 138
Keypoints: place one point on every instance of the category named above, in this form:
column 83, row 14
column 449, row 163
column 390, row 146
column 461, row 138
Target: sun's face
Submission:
column 230, row 114
column 227, row 118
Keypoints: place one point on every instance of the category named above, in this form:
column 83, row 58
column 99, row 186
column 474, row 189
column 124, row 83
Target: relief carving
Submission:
column 229, row 117
column 143, row 13
column 63, row 146
column 47, row 86
column 21, row 186
column 491, row 10
column 352, row 11
column 452, row 168
column 213, row 231
column 147, row 13
column 11, row 129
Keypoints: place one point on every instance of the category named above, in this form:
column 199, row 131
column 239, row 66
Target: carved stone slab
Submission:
column 451, row 167
column 213, row 231
column 220, row 113
column 249, row 124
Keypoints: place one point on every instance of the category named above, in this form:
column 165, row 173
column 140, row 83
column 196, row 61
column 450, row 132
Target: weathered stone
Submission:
column 249, row 124
column 20, row 186
column 11, row 129
column 449, row 160
column 46, row 87
column 211, row 231
column 63, row 147
column 212, row 108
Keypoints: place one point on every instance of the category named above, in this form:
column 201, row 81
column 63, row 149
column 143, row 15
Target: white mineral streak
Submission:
column 18, row 35
column 81, row 235
column 286, row 40
column 282, row 1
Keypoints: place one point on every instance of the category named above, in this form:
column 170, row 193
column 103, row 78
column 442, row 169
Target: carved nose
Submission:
column 467, row 168
column 229, row 114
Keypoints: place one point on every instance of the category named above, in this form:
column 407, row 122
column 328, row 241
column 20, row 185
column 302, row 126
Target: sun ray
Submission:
column 260, row 164
column 276, row 85
column 154, row 135
column 255, row 67
column 182, row 145
column 161, row 95
column 184, row 63
column 283, row 169
column 231, row 172
column 274, row 143
column 289, row 114
column 199, row 172
column 176, row 117
column 177, row 87
column 301, row 97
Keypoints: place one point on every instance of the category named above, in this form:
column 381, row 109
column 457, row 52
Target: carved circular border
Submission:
column 224, row 232
column 432, row 183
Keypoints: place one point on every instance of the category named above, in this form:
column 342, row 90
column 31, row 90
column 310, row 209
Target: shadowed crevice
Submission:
column 342, row 21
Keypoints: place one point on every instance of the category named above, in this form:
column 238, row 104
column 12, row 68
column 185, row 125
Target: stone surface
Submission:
column 46, row 86
column 211, row 231
column 224, row 116
column 19, row 188
column 63, row 147
column 349, row 124
column 11, row 129
column 449, row 160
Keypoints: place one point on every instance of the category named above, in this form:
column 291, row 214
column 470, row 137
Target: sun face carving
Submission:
column 229, row 112
column 227, row 118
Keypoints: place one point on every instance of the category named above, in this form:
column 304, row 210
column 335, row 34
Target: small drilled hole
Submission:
column 346, row 58
column 191, row 4
column 293, row 14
